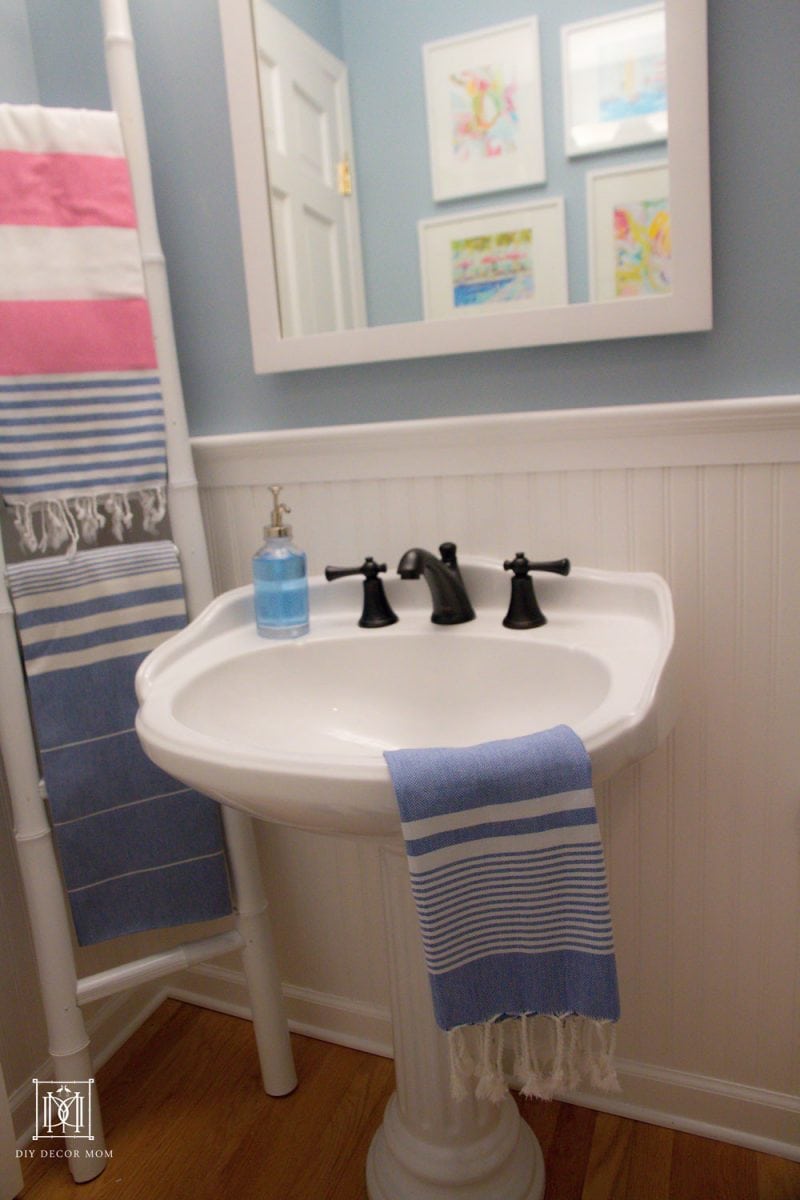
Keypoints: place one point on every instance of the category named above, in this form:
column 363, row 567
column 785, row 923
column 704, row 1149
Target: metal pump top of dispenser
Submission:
column 277, row 528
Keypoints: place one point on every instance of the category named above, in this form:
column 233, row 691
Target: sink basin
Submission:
column 294, row 731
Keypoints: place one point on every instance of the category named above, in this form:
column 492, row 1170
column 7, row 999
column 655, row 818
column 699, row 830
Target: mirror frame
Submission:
column 688, row 308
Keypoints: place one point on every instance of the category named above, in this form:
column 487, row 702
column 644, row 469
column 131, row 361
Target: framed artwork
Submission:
column 614, row 72
column 483, row 92
column 630, row 245
column 494, row 260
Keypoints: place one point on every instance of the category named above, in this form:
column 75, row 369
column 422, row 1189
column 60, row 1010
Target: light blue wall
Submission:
column 321, row 20
column 17, row 72
column 752, row 350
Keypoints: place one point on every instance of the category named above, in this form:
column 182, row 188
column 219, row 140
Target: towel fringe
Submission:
column 154, row 508
column 491, row 1080
column 551, row 1053
column 462, row 1065
column 47, row 524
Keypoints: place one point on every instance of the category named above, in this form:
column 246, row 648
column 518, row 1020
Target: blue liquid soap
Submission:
column 280, row 580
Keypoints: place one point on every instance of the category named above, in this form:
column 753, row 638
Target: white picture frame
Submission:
column 483, row 93
column 494, row 260
column 614, row 79
column 629, row 239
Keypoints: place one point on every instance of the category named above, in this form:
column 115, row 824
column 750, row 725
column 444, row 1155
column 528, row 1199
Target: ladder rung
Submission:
column 140, row 970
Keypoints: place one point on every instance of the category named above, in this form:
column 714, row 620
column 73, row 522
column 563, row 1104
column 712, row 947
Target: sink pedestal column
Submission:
column 431, row 1147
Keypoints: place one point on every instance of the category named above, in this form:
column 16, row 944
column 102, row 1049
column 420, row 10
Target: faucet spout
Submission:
column 451, row 604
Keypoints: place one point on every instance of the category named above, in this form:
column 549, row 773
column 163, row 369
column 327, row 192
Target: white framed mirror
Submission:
column 280, row 337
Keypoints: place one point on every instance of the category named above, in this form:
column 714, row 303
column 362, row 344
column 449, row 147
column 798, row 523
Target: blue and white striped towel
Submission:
column 508, row 879
column 74, row 448
column 138, row 849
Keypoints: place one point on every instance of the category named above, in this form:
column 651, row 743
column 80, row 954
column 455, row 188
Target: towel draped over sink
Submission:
column 508, row 879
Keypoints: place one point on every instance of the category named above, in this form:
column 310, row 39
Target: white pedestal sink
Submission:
column 294, row 733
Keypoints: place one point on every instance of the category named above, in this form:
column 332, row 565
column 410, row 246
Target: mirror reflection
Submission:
column 427, row 163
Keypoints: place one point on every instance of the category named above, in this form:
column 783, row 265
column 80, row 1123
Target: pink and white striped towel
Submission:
column 81, row 413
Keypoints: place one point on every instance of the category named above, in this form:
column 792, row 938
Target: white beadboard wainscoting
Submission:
column 702, row 838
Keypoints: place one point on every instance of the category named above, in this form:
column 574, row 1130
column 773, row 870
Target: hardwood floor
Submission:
column 186, row 1119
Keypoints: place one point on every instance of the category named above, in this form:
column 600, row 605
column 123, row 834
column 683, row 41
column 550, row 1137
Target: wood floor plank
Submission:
column 289, row 1131
column 187, row 1119
column 609, row 1158
column 649, row 1164
column 568, row 1155
column 351, row 1184
column 341, row 1148
column 542, row 1116
column 777, row 1178
column 186, row 1115
column 702, row 1168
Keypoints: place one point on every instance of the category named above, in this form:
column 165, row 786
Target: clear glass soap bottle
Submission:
column 280, row 579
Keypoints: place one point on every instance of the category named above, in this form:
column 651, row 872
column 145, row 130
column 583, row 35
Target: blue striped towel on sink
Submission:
column 508, row 878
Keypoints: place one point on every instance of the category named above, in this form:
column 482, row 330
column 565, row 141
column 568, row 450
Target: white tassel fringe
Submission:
column 48, row 524
column 550, row 1054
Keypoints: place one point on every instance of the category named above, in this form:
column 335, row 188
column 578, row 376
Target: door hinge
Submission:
column 344, row 177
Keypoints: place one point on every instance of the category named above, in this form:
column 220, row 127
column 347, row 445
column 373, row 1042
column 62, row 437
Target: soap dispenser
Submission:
column 280, row 579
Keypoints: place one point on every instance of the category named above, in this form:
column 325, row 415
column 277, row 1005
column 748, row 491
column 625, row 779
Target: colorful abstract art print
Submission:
column 642, row 247
column 485, row 112
column 630, row 234
column 483, row 93
column 497, row 267
column 494, row 260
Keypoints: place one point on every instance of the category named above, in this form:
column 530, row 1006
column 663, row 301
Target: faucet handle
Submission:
column 523, row 610
column 520, row 565
column 369, row 569
column 377, row 610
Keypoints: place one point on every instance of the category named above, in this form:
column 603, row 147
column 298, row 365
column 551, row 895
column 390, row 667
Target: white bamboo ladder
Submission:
column 62, row 991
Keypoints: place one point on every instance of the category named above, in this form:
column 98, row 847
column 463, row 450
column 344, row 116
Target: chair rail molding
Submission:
column 687, row 433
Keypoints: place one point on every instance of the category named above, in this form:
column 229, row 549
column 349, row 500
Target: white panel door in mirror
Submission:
column 306, row 117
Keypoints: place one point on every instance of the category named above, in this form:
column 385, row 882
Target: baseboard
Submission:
column 755, row 1118
column 109, row 1026
column 322, row 1015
